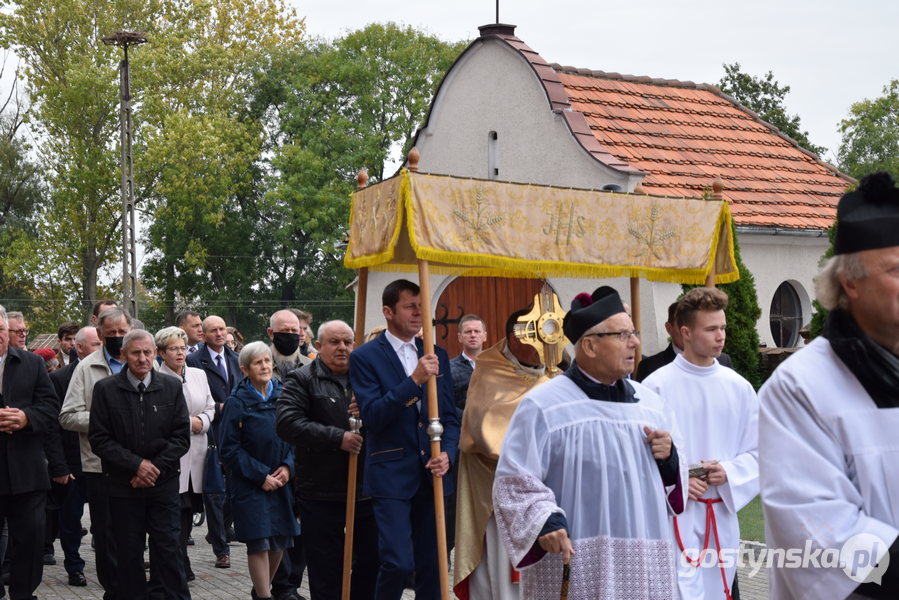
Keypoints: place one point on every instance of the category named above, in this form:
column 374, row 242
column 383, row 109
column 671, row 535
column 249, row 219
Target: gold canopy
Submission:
column 478, row 227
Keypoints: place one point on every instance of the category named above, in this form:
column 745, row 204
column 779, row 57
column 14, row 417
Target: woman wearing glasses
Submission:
column 171, row 343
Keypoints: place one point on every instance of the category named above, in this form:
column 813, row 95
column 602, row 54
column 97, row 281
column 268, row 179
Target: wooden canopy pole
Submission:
column 355, row 425
column 362, row 283
column 717, row 194
column 635, row 317
column 435, row 429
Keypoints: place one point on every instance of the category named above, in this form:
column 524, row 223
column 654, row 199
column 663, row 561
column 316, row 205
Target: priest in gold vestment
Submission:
column 504, row 373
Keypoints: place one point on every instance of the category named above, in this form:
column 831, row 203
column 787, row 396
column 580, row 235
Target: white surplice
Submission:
column 828, row 459
column 588, row 459
column 717, row 412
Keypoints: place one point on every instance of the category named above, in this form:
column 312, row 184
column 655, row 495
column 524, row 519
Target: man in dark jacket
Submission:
column 313, row 415
column 139, row 428
column 222, row 369
column 72, row 508
column 28, row 408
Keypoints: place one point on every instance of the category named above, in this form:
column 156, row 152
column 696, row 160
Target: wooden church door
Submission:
column 491, row 298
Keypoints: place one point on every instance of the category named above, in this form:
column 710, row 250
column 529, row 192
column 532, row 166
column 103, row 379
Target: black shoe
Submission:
column 190, row 540
column 77, row 579
column 230, row 536
column 191, row 576
column 49, row 559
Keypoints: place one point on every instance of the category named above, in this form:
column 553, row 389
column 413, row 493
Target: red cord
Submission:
column 711, row 525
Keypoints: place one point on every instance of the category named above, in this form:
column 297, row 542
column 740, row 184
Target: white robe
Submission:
column 828, row 458
column 717, row 412
column 588, row 459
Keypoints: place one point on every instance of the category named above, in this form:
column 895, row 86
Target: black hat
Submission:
column 589, row 310
column 868, row 218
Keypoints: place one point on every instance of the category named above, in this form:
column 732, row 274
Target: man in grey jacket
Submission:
column 112, row 325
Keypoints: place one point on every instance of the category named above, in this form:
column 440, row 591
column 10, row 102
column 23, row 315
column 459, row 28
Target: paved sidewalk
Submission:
column 228, row 584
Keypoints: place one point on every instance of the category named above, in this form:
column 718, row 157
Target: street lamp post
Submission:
column 125, row 39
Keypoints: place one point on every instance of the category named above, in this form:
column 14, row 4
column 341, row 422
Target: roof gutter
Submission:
column 782, row 231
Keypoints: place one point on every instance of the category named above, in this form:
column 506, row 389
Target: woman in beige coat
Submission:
column 171, row 343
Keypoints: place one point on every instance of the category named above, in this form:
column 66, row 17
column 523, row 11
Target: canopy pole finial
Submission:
column 717, row 188
column 414, row 157
column 717, row 195
column 362, row 178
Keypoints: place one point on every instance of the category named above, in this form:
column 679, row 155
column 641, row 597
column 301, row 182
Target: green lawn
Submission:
column 752, row 524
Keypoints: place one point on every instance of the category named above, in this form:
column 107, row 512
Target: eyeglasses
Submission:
column 19, row 331
column 176, row 349
column 623, row 336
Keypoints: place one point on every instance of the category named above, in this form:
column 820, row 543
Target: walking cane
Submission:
column 566, row 575
column 355, row 426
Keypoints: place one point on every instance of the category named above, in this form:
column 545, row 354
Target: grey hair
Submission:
column 326, row 324
column 113, row 313
column 271, row 319
column 167, row 335
column 14, row 314
column 135, row 334
column 79, row 337
column 251, row 352
column 3, row 315
column 828, row 289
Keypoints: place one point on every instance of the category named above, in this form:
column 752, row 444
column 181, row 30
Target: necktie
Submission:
column 221, row 366
column 141, row 388
column 191, row 349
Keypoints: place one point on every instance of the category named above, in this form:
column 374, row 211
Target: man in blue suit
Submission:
column 222, row 369
column 388, row 376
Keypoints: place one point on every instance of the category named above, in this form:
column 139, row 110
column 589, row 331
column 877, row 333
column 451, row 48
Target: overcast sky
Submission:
column 830, row 53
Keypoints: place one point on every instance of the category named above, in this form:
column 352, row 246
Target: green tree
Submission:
column 73, row 88
column 765, row 96
column 189, row 88
column 871, row 135
column 199, row 148
column 329, row 110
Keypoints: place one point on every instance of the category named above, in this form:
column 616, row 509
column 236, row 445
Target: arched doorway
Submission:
column 491, row 298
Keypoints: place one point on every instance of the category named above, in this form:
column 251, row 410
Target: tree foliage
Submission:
column 247, row 139
column 73, row 89
column 871, row 135
column 765, row 96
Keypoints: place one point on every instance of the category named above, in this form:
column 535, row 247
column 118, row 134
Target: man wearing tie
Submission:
column 222, row 372
column 388, row 377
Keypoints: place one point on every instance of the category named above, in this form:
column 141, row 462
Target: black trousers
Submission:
column 158, row 515
column 323, row 526
column 24, row 514
column 70, row 524
column 105, row 555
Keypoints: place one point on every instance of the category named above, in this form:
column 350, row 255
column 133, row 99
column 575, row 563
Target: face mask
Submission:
column 114, row 346
column 286, row 343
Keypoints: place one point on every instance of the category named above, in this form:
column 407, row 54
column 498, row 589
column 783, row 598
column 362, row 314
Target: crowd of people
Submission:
column 602, row 482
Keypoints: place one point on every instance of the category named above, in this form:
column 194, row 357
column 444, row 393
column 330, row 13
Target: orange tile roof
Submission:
column 682, row 135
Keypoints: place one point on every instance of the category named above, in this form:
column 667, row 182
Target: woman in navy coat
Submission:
column 260, row 464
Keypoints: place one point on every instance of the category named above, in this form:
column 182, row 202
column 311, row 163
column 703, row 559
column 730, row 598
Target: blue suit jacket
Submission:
column 221, row 389
column 397, row 445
